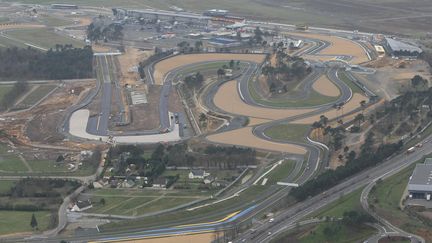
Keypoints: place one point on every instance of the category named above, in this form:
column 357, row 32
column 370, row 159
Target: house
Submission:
column 128, row 184
column 160, row 182
column 81, row 206
column 209, row 179
column 97, row 185
column 198, row 174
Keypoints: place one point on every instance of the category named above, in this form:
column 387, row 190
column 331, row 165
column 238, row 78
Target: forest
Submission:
column 62, row 62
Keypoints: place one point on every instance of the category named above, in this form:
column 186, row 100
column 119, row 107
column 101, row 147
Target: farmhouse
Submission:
column 160, row 182
column 81, row 206
column 198, row 174
column 420, row 183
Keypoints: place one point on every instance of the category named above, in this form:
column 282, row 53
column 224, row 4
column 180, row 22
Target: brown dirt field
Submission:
column 319, row 58
column 244, row 137
column 339, row 46
column 351, row 105
column 144, row 116
column 228, row 99
column 20, row 26
column 325, row 87
column 85, row 21
column 198, row 238
column 128, row 60
column 256, row 121
column 100, row 48
column 407, row 75
column 165, row 66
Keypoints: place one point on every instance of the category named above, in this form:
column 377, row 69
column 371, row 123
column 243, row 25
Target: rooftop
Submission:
column 396, row 45
column 169, row 13
column 421, row 179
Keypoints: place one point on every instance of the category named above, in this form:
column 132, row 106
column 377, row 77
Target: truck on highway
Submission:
column 411, row 150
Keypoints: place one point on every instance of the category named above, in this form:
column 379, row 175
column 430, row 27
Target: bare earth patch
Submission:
column 198, row 238
column 245, row 137
column 20, row 26
column 325, row 87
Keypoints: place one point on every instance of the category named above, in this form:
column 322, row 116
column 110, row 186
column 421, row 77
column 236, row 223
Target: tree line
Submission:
column 158, row 54
column 62, row 62
column 177, row 155
column 99, row 31
column 10, row 97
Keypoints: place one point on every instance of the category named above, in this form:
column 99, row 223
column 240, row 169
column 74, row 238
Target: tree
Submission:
column 346, row 149
column 184, row 46
column 220, row 72
column 418, row 80
column 363, row 105
column 231, row 64
column 359, row 118
column 258, row 35
column 102, row 201
column 198, row 45
column 324, row 120
column 33, row 222
column 60, row 158
column 202, row 117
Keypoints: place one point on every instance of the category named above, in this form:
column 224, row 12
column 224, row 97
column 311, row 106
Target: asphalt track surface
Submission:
column 110, row 94
column 273, row 195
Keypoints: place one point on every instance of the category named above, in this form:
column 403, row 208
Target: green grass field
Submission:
column 244, row 200
column 345, row 203
column 386, row 196
column 355, row 89
column 288, row 132
column 4, row 89
column 36, row 95
column 42, row 37
column 314, row 99
column 45, row 166
column 281, row 172
column 6, row 185
column 19, row 221
column 203, row 67
column 139, row 201
column 341, row 233
column 4, row 19
column 385, row 199
column 11, row 163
